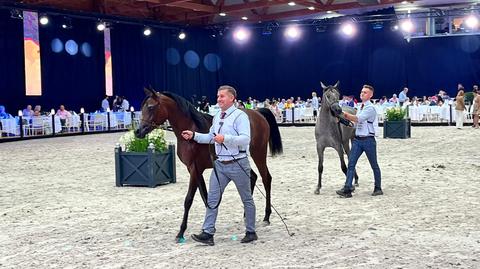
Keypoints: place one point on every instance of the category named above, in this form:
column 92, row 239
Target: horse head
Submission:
column 331, row 94
column 153, row 113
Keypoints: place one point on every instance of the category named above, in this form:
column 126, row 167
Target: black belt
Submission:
column 231, row 161
column 363, row 137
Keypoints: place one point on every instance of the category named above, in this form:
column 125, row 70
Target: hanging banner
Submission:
column 31, row 44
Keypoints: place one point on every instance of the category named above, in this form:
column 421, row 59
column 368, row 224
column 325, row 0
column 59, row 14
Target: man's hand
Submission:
column 187, row 134
column 219, row 138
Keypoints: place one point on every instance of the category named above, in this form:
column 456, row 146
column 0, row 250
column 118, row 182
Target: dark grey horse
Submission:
column 329, row 133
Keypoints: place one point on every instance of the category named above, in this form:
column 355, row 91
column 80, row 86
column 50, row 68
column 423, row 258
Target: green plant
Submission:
column 135, row 144
column 468, row 97
column 395, row 114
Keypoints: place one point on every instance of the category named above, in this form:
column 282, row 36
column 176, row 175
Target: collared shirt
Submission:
column 367, row 119
column 63, row 114
column 236, row 130
column 402, row 97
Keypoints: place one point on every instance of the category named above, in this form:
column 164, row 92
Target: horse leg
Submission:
column 346, row 146
column 261, row 163
column 253, row 180
column 320, row 169
column 192, row 189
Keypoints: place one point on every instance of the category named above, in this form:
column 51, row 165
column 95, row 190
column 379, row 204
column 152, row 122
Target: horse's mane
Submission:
column 201, row 120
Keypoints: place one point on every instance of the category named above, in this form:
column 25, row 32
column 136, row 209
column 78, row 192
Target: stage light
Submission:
column 101, row 26
column 329, row 12
column 244, row 18
column 348, row 29
column 182, row 35
column 291, row 4
column 223, row 14
column 407, row 26
column 67, row 23
column 132, row 109
column 82, row 110
column 471, row 21
column 241, row 35
column 43, row 20
column 147, row 31
column 311, row 8
column 16, row 14
column 20, row 113
column 292, row 32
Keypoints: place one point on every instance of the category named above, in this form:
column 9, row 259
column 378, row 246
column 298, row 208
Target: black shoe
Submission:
column 204, row 238
column 344, row 193
column 377, row 192
column 249, row 237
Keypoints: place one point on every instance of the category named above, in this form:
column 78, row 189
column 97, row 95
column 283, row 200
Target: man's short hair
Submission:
column 229, row 89
column 369, row 87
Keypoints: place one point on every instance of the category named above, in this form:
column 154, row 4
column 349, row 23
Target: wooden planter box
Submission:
column 145, row 168
column 397, row 129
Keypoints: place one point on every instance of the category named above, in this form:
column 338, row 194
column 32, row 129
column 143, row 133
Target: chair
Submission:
column 97, row 121
column 36, row 127
column 308, row 114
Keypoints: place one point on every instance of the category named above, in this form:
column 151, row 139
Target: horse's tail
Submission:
column 275, row 140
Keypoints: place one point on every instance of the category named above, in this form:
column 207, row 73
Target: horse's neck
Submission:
column 325, row 114
column 180, row 123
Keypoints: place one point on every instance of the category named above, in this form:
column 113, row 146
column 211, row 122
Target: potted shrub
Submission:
column 396, row 124
column 145, row 161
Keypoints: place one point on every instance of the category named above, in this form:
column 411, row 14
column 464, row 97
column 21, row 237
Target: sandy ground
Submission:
column 59, row 208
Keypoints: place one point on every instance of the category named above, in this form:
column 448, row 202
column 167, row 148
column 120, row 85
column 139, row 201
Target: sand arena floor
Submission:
column 59, row 208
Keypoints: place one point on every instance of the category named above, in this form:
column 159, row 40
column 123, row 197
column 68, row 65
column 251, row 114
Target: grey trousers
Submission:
column 227, row 172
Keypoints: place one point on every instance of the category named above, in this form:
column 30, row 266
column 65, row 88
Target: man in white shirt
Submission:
column 366, row 121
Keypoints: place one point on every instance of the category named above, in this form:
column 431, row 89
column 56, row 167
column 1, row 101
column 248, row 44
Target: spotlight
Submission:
column 407, row 26
column 291, row 4
column 311, row 8
column 101, row 26
column 292, row 32
column 182, row 35
column 67, row 23
column 471, row 21
column 223, row 14
column 44, row 20
column 147, row 31
column 244, row 18
column 241, row 35
column 348, row 29
column 16, row 14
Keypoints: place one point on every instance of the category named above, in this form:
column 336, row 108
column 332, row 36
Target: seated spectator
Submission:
column 383, row 100
column 4, row 114
column 393, row 100
column 125, row 104
column 27, row 112
column 117, row 103
column 37, row 112
column 63, row 115
column 240, row 104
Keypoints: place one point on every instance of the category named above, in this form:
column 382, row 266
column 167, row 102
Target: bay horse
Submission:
column 329, row 133
column 182, row 115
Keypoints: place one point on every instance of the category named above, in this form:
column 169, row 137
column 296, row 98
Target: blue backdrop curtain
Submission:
column 72, row 80
column 139, row 61
column 266, row 66
column 12, row 71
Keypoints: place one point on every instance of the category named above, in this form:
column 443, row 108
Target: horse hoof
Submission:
column 180, row 239
column 266, row 223
column 317, row 192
